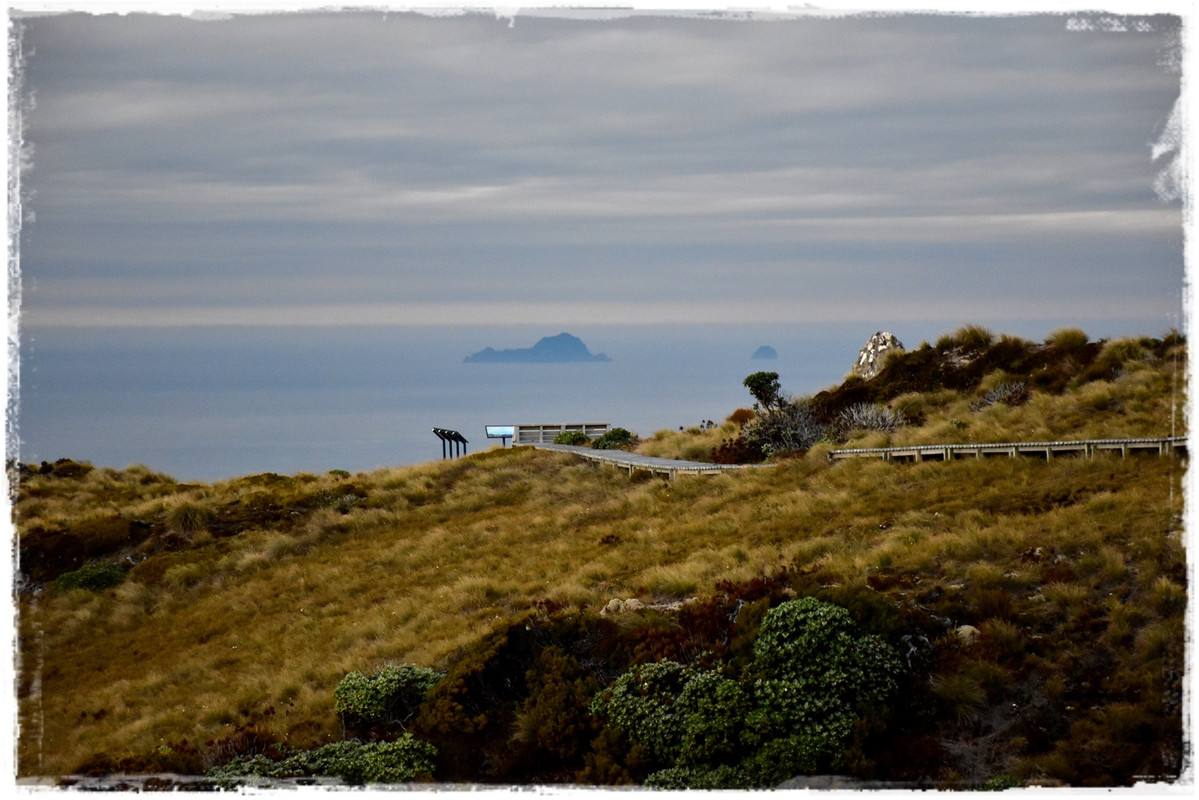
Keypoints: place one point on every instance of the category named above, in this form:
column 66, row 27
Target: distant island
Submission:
column 765, row 352
column 559, row 349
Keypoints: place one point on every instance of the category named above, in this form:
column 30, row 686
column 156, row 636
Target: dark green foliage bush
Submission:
column 647, row 704
column 722, row 777
column 792, row 711
column 406, row 759
column 491, row 709
column 615, row 439
column 390, row 697
column 576, row 438
column 514, row 707
column 553, row 723
column 93, row 576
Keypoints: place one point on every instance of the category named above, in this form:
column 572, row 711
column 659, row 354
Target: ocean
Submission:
column 207, row 404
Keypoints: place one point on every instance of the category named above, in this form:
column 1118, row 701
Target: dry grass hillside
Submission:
column 166, row 626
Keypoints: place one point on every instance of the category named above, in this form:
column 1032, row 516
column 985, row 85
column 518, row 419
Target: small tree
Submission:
column 765, row 388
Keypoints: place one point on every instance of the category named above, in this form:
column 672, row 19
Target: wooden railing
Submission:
column 1160, row 445
column 669, row 467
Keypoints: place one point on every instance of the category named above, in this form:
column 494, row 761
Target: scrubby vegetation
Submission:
column 522, row 616
column 576, row 438
column 615, row 439
column 963, row 389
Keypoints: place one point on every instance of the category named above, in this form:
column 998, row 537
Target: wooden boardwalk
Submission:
column 1161, row 445
column 1088, row 448
column 668, row 467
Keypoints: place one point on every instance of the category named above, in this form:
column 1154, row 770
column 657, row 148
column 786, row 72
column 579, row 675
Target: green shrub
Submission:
column 615, row 439
column 714, row 706
column 702, row 778
column 645, row 703
column 816, row 643
column 792, row 711
column 93, row 576
column 1000, row 783
column 405, row 759
column 576, row 438
column 390, row 696
column 814, row 675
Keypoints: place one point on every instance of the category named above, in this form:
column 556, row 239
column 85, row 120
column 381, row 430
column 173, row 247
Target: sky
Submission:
column 634, row 167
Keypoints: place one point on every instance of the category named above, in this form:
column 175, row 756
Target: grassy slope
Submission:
column 252, row 598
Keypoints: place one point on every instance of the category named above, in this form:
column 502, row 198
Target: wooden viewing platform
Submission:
column 1160, row 445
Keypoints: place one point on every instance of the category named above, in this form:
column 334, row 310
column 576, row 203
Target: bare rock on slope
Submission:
column 871, row 357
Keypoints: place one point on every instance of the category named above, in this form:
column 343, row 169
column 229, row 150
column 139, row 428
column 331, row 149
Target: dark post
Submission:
column 452, row 438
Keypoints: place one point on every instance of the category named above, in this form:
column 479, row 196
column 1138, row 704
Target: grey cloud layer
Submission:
column 340, row 158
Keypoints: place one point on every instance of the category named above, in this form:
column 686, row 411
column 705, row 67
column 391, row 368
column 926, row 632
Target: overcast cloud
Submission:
column 349, row 168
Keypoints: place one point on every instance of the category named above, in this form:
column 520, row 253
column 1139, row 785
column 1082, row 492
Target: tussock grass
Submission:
column 264, row 591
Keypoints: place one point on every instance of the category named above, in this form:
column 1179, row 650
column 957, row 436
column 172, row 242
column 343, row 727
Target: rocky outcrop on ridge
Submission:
column 871, row 356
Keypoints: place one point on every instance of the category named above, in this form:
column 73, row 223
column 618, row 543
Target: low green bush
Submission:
column 615, row 439
column 93, row 576
column 406, row 759
column 791, row 711
column 389, row 697
column 576, row 438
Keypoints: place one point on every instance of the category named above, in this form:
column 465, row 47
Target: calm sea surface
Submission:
column 215, row 403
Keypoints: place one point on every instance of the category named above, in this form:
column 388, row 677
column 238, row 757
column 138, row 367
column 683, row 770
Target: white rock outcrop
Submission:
column 871, row 357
